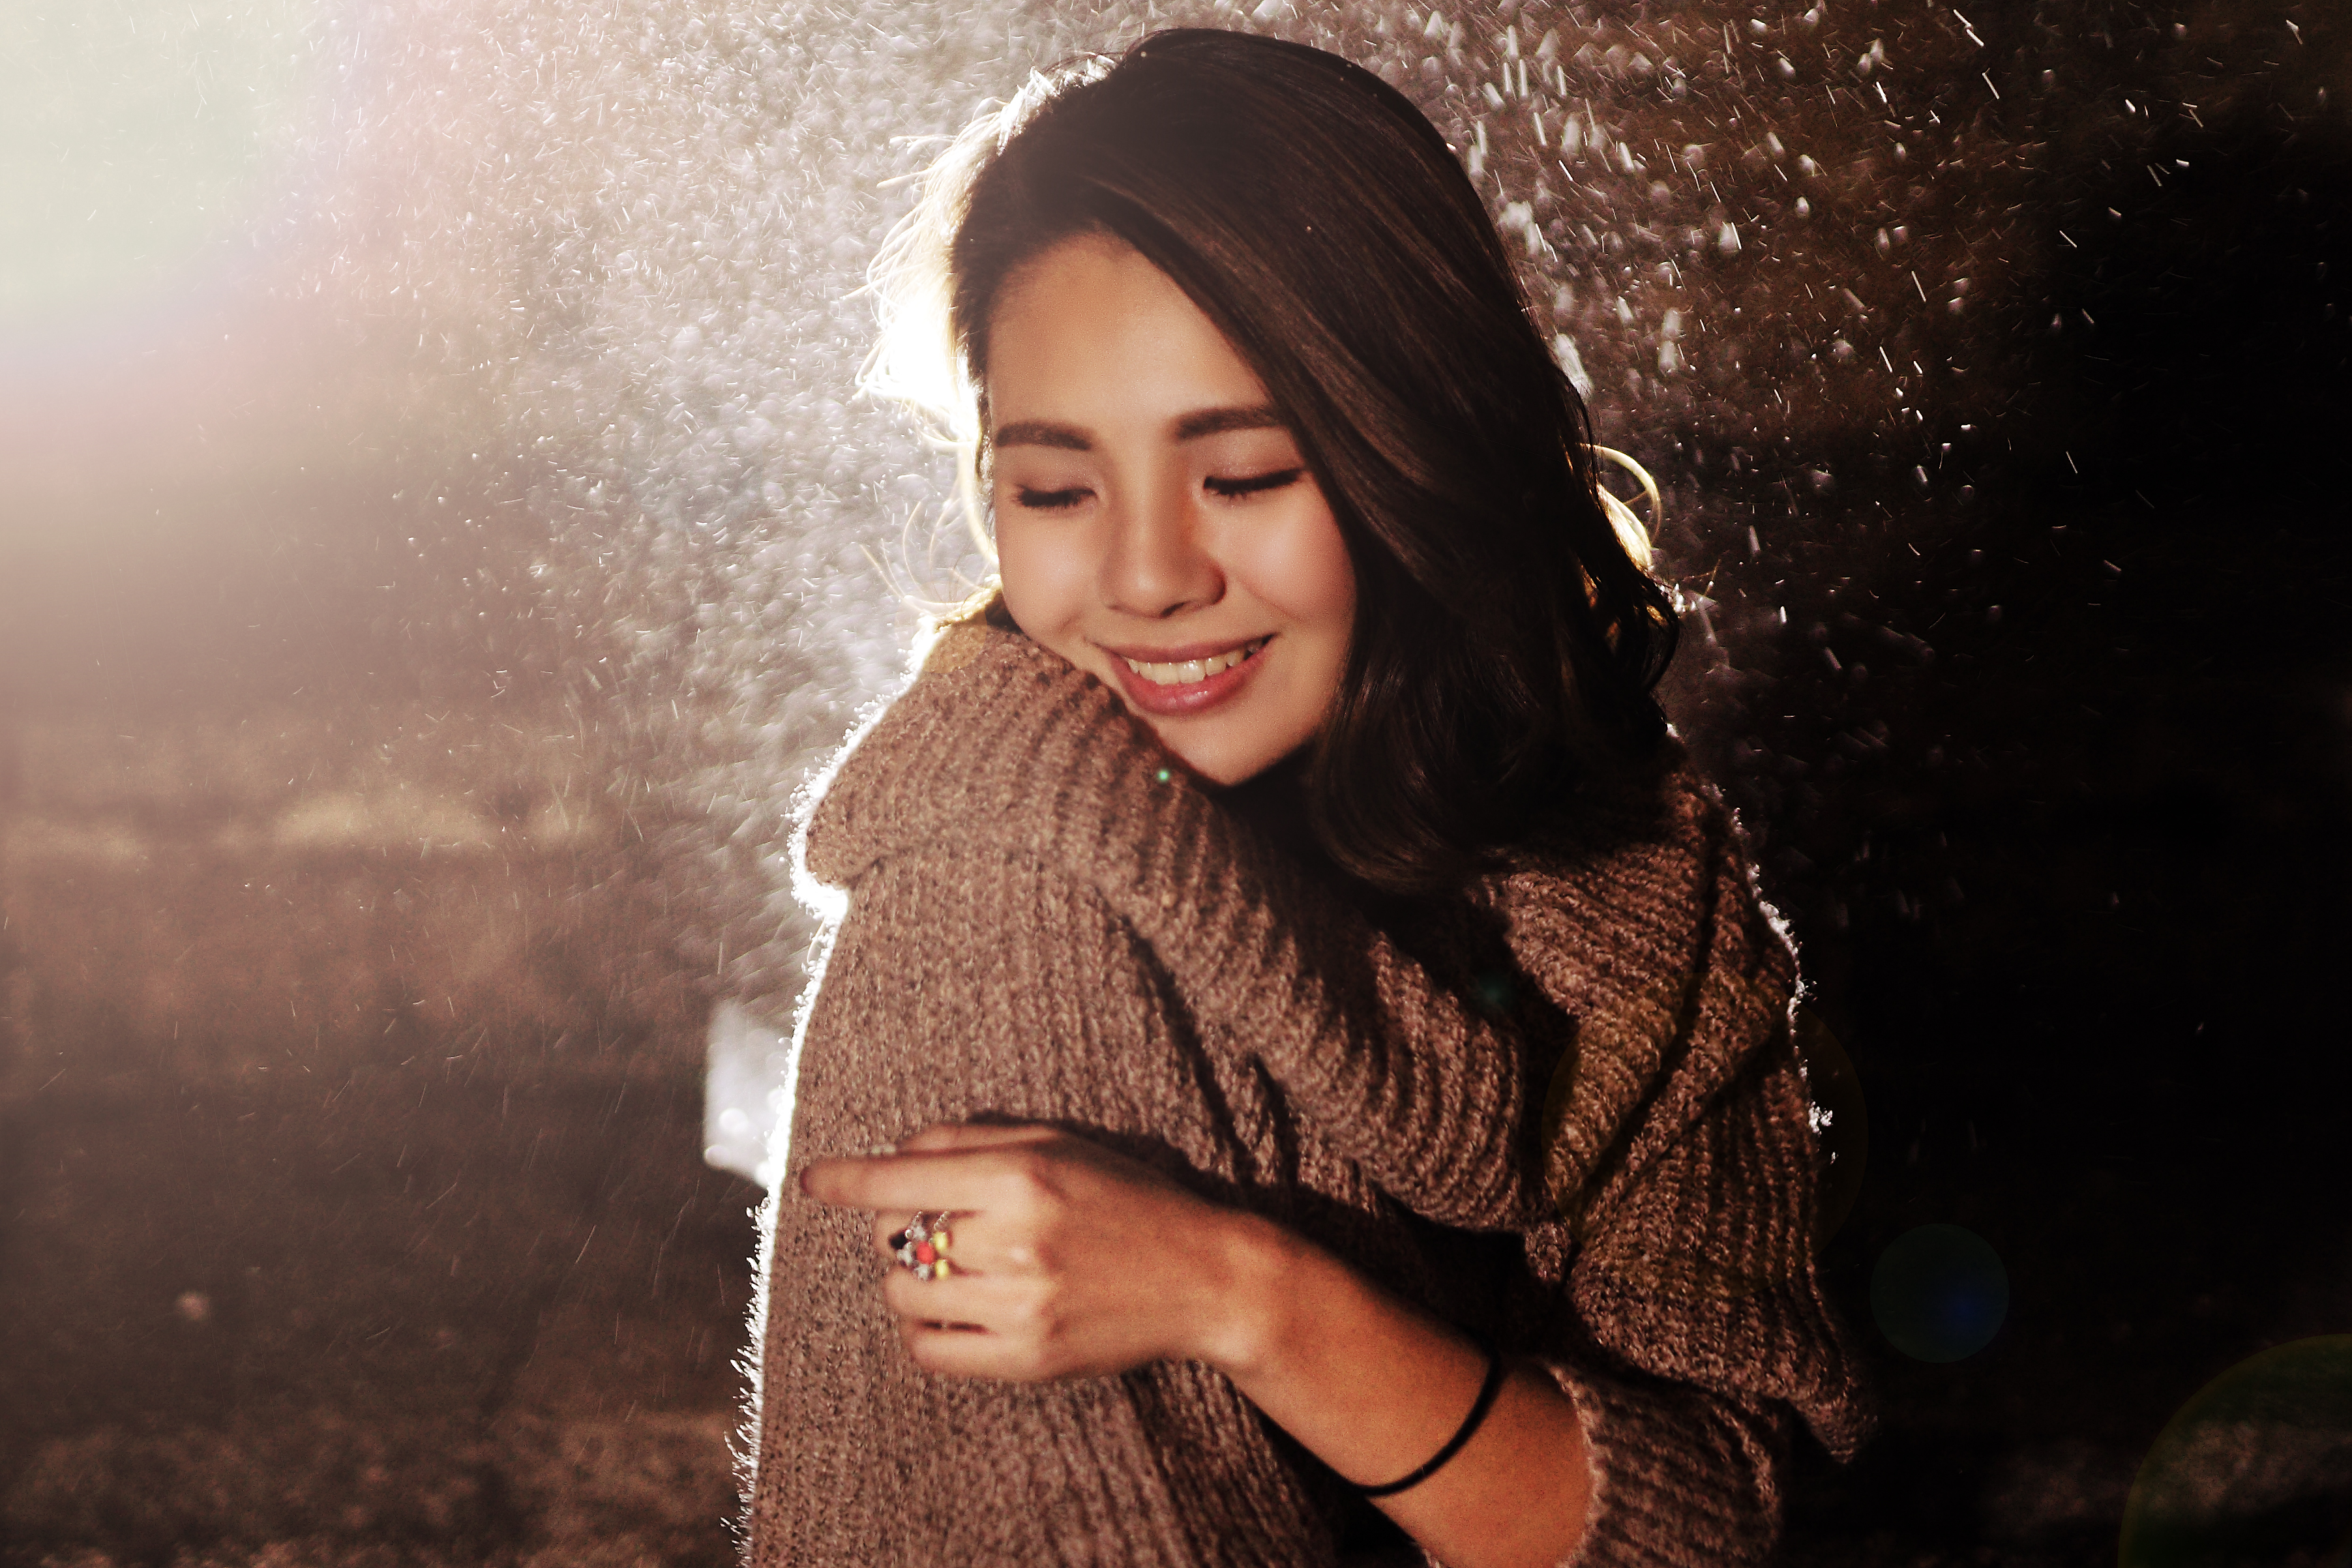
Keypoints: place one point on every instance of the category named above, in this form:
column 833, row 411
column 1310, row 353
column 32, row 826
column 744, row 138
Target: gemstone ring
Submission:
column 922, row 1247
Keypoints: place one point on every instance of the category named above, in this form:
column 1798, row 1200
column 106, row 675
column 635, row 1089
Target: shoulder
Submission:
column 993, row 730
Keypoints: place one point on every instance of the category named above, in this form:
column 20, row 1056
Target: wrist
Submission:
column 1253, row 1277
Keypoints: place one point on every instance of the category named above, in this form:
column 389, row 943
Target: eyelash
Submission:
column 1229, row 489
column 1255, row 484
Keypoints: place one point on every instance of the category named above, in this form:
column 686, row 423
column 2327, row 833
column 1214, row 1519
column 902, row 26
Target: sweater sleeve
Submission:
column 1680, row 1479
column 1688, row 1321
column 1001, row 742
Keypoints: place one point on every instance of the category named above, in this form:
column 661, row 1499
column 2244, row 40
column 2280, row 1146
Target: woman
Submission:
column 1331, row 1070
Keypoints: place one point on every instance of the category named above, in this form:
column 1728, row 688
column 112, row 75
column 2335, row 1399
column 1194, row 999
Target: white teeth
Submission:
column 1190, row 670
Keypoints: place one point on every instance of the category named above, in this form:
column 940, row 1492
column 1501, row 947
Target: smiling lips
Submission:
column 1176, row 686
column 1189, row 671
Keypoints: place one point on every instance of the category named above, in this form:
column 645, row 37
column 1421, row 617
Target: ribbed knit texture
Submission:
column 1563, row 1110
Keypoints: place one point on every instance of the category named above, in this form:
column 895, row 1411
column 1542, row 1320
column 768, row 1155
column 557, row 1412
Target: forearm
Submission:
column 1374, row 1387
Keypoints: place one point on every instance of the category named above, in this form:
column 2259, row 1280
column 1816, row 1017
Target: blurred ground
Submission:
column 351, row 1200
column 217, row 1350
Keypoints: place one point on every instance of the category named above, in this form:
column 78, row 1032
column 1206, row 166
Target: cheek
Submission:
column 1046, row 576
column 1302, row 569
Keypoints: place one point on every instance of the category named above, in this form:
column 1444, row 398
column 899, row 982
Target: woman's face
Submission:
column 1155, row 522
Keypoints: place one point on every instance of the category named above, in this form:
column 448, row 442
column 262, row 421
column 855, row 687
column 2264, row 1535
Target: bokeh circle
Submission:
column 2256, row 1468
column 1939, row 1293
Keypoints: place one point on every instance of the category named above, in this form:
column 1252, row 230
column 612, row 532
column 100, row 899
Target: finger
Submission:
column 942, row 1136
column 980, row 1299
column 965, row 1179
column 866, row 1181
column 946, row 1351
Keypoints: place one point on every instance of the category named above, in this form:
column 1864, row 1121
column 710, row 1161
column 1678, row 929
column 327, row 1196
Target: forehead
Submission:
column 1090, row 329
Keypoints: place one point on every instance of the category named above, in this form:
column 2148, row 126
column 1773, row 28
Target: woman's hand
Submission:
column 1074, row 1261
column 1070, row 1261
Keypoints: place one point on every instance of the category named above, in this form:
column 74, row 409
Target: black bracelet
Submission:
column 1470, row 1424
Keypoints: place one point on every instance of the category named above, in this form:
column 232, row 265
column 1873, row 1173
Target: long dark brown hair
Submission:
column 1507, row 645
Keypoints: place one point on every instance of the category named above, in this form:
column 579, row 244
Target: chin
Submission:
column 1223, row 762
column 1221, row 772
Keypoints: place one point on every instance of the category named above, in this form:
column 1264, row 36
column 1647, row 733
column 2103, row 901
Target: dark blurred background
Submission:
column 430, row 554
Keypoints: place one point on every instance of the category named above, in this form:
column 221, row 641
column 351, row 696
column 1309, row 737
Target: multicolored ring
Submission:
column 922, row 1247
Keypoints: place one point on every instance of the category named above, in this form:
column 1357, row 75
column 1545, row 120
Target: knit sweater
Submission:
column 1562, row 1110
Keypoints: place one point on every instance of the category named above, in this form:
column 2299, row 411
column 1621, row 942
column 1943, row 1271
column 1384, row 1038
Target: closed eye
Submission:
column 1255, row 483
column 1050, row 501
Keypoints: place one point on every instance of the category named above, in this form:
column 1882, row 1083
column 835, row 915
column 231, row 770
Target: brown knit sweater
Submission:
column 1562, row 1110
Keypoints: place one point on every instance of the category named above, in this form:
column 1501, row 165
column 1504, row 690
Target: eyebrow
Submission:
column 1218, row 421
column 1041, row 433
column 1192, row 426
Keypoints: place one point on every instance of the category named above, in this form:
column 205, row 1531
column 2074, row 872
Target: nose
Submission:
column 1158, row 564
